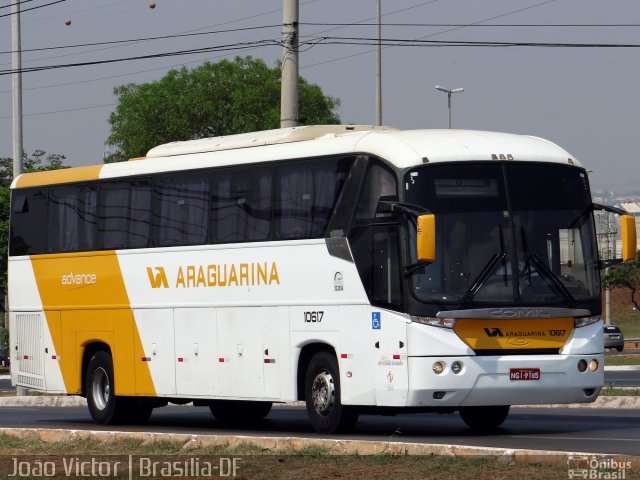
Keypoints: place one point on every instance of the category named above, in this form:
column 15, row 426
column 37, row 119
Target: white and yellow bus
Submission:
column 359, row 269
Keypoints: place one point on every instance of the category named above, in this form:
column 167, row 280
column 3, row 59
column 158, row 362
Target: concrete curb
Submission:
column 621, row 368
column 284, row 445
column 43, row 401
column 601, row 402
column 75, row 401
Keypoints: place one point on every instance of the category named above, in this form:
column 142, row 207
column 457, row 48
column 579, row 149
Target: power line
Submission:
column 143, row 39
column 358, row 41
column 465, row 25
column 218, row 48
column 260, row 27
column 91, row 107
column 32, row 8
column 512, row 12
column 261, row 14
column 404, row 42
column 12, row 4
column 361, row 22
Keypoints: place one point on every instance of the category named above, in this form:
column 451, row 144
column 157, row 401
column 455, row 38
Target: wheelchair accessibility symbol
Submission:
column 376, row 323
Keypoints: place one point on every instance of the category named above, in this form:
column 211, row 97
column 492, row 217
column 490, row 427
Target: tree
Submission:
column 625, row 275
column 213, row 99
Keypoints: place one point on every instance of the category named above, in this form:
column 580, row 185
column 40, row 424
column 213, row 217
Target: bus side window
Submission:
column 125, row 215
column 181, row 212
column 242, row 206
column 379, row 182
column 28, row 222
column 306, row 197
column 72, row 218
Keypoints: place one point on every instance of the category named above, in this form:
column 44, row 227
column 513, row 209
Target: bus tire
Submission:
column 322, row 394
column 239, row 410
column 484, row 418
column 105, row 408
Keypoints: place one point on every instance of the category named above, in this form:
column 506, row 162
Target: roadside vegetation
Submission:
column 624, row 307
column 622, row 360
column 611, row 390
column 310, row 464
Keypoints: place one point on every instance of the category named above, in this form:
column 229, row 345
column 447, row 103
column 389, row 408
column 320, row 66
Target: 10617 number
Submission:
column 313, row 317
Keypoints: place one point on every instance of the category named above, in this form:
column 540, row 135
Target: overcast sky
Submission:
column 585, row 99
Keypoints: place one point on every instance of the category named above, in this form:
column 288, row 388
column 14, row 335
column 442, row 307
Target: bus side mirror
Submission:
column 426, row 238
column 628, row 236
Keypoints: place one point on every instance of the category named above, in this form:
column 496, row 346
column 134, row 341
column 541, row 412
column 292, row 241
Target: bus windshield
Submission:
column 507, row 233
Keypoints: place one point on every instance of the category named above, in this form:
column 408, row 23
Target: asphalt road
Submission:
column 622, row 378
column 605, row 431
column 618, row 378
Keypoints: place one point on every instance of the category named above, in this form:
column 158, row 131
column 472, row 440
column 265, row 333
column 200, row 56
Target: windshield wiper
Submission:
column 481, row 278
column 551, row 278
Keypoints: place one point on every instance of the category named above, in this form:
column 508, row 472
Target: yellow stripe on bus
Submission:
column 54, row 177
column 510, row 334
column 85, row 301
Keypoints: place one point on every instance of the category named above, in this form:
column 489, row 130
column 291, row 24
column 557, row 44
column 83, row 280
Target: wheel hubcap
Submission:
column 324, row 393
column 101, row 388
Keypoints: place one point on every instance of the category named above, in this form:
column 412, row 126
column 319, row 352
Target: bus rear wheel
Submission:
column 484, row 418
column 239, row 410
column 322, row 394
column 104, row 406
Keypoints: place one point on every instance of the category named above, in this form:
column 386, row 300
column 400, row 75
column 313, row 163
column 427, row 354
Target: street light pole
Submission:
column 379, row 66
column 16, row 84
column 449, row 92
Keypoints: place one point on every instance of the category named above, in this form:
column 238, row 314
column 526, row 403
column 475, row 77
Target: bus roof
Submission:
column 401, row 148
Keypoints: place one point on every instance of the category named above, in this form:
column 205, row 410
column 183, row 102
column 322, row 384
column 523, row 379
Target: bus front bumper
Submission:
column 504, row 380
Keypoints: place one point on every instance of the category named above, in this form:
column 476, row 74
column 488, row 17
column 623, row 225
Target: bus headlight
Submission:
column 435, row 322
column 456, row 367
column 582, row 366
column 593, row 365
column 438, row 368
column 584, row 321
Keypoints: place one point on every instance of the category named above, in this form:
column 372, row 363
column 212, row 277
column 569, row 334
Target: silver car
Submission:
column 613, row 337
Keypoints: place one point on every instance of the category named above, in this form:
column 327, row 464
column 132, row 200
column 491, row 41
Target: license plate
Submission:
column 516, row 374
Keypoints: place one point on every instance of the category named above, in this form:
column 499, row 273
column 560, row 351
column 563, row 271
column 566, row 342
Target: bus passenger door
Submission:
column 155, row 327
column 196, row 351
column 389, row 330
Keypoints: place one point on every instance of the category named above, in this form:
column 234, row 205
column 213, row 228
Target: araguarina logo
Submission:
column 493, row 332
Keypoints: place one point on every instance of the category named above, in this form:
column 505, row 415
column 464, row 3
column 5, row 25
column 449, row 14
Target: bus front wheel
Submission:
column 484, row 418
column 322, row 394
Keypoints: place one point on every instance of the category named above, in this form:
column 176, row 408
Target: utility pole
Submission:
column 289, row 82
column 379, row 66
column 16, row 83
column 607, row 292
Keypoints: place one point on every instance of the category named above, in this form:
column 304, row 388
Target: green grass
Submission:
column 611, row 390
column 310, row 464
column 619, row 360
column 623, row 314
